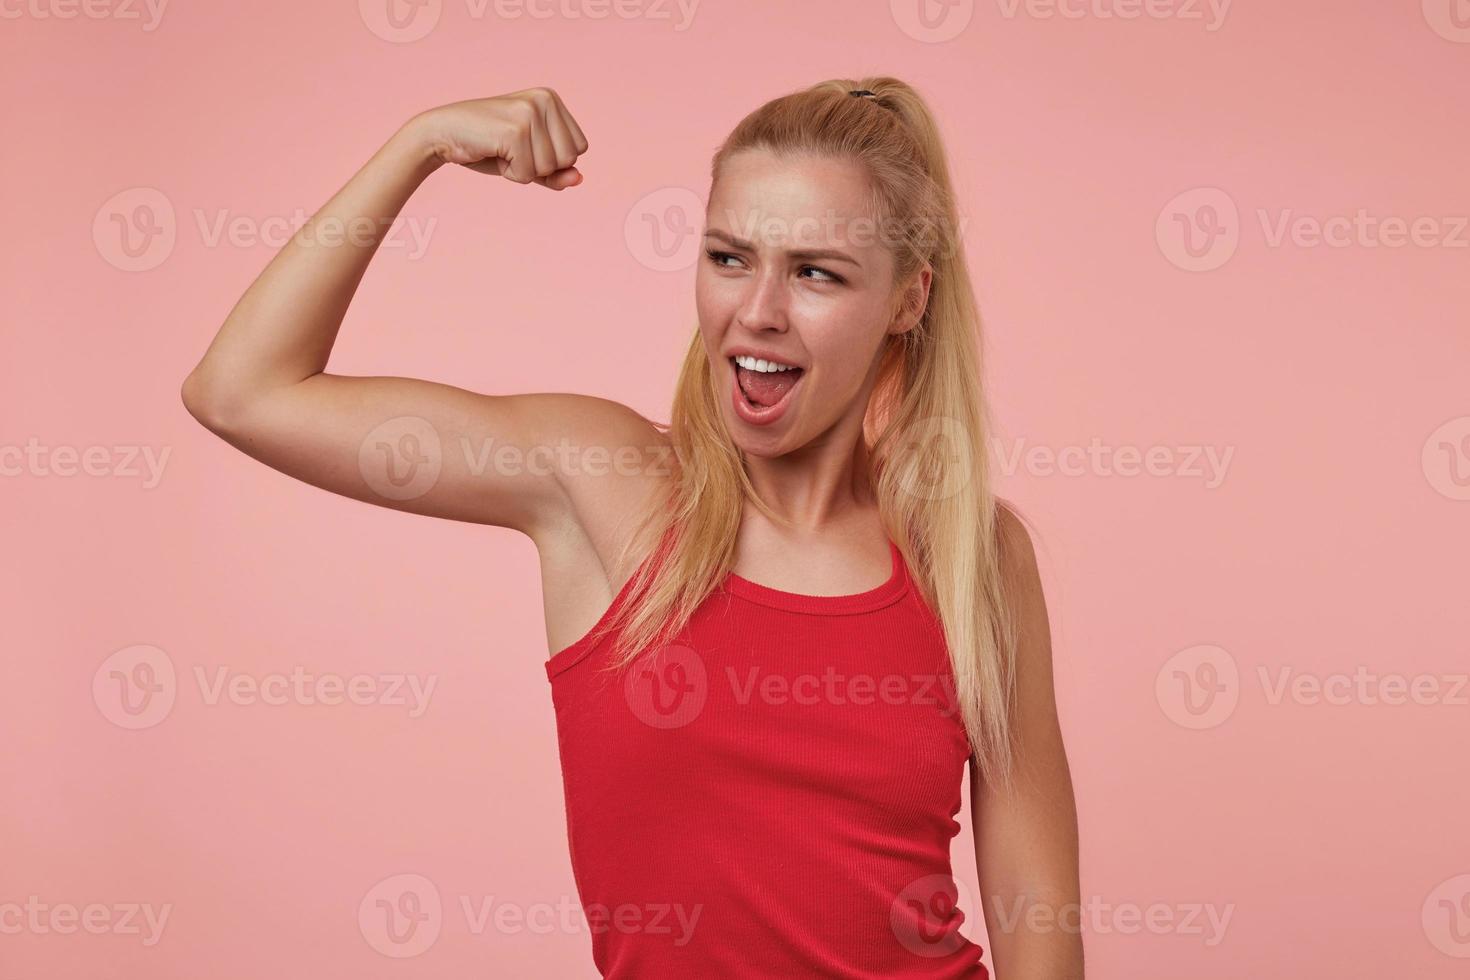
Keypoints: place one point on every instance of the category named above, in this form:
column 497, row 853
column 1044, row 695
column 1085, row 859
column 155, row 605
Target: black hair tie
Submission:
column 863, row 92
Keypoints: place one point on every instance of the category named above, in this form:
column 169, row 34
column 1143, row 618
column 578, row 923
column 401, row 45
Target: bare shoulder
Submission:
column 1021, row 584
column 1017, row 552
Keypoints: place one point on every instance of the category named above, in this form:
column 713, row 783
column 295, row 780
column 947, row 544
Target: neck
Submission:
column 824, row 483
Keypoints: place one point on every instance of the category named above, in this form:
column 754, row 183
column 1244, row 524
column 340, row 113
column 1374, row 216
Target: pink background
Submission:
column 1333, row 834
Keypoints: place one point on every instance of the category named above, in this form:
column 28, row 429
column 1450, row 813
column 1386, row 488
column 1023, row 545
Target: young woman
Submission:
column 785, row 622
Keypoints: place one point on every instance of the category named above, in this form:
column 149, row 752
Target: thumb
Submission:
column 561, row 179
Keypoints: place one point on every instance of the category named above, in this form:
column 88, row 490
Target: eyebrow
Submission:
column 806, row 253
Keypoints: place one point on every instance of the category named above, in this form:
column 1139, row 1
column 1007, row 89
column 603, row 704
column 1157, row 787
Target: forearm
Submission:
column 1035, row 938
column 282, row 329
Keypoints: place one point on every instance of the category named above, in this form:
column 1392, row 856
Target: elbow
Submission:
column 201, row 402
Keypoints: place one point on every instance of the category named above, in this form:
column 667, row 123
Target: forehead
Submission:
column 790, row 201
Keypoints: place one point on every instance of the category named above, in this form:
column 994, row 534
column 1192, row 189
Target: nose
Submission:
column 764, row 306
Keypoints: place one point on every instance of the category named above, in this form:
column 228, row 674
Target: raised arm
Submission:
column 411, row 445
column 1026, row 848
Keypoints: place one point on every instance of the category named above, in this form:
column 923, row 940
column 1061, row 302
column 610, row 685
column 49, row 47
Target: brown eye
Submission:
column 831, row 276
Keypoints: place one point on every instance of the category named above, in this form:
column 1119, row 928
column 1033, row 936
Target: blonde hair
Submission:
column 926, row 411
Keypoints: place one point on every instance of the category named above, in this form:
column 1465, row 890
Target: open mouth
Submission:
column 762, row 388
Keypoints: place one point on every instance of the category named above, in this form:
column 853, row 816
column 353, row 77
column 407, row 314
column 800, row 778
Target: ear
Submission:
column 913, row 302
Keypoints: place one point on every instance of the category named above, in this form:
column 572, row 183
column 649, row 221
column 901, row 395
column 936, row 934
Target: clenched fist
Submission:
column 526, row 136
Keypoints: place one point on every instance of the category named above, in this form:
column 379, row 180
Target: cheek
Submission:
column 844, row 342
column 713, row 327
column 713, row 292
column 845, row 356
column 842, row 370
column 711, row 304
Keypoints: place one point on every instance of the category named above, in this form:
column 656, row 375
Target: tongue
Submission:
column 766, row 388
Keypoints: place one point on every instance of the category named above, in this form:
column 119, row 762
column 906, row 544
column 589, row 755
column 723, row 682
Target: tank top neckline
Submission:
column 834, row 605
column 817, row 605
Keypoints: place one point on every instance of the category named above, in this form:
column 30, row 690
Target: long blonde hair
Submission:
column 925, row 430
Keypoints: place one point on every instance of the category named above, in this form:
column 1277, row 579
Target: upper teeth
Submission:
column 756, row 364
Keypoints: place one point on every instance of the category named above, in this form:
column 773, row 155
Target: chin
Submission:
column 759, row 452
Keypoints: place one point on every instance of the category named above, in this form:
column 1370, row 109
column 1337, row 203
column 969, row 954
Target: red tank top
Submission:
column 773, row 793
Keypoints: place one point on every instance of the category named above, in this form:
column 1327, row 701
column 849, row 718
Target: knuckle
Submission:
column 523, row 111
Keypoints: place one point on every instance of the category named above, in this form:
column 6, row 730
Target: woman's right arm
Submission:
column 262, row 384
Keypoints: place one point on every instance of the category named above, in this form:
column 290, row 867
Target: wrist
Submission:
column 416, row 140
